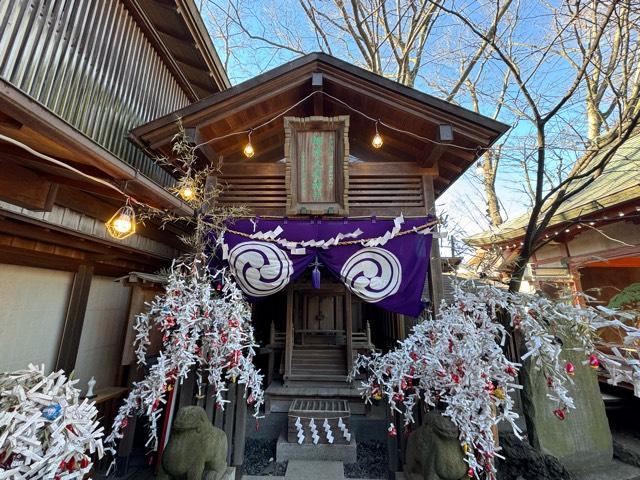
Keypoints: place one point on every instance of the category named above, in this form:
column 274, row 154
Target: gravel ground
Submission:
column 372, row 461
column 259, row 458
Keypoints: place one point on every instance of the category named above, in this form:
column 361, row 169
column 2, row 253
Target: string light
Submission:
column 187, row 190
column 123, row 222
column 479, row 169
column 248, row 149
column 377, row 138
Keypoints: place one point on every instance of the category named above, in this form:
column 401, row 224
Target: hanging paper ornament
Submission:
column 210, row 333
column 45, row 429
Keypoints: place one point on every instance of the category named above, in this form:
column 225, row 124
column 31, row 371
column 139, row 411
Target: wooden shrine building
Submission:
column 311, row 123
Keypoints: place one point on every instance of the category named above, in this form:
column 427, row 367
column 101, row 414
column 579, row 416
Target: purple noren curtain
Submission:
column 389, row 269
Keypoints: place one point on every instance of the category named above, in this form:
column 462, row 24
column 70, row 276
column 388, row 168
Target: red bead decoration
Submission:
column 570, row 369
column 593, row 361
column 560, row 413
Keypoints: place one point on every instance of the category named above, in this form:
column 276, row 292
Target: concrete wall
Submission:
column 33, row 305
column 100, row 349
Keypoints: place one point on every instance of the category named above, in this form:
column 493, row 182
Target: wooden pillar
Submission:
column 272, row 342
column 74, row 320
column 435, row 272
column 348, row 320
column 289, row 338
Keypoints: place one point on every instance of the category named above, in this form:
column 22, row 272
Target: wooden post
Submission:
column 435, row 272
column 228, row 418
column 392, row 446
column 74, row 321
column 272, row 342
column 240, row 427
column 349, row 329
column 289, row 338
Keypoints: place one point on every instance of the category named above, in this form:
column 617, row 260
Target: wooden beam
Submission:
column 431, row 156
column 435, row 272
column 25, row 188
column 74, row 321
column 289, row 335
column 349, row 329
column 318, row 100
column 207, row 151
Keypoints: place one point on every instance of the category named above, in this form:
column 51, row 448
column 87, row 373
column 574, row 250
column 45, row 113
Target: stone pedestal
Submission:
column 328, row 452
column 230, row 474
column 583, row 439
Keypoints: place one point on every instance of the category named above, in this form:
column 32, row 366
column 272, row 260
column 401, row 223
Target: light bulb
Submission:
column 187, row 193
column 248, row 150
column 479, row 169
column 377, row 141
column 122, row 224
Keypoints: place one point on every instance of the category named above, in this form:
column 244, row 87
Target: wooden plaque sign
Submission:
column 317, row 165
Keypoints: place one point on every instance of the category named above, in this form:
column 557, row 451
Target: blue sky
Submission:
column 277, row 20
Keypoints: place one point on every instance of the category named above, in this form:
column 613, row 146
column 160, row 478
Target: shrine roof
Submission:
column 340, row 89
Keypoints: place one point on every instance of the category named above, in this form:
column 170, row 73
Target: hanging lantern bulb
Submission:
column 123, row 222
column 187, row 190
column 377, row 138
column 479, row 169
column 248, row 149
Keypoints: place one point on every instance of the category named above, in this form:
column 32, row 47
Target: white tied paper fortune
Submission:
column 46, row 432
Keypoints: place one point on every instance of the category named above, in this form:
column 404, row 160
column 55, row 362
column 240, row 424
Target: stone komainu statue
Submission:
column 434, row 451
column 195, row 447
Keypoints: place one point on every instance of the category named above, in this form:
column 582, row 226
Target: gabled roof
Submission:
column 344, row 87
column 618, row 184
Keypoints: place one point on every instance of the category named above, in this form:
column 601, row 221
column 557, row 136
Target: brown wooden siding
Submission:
column 373, row 188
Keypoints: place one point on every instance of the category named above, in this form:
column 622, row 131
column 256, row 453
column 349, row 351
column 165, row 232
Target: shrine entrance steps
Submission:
column 323, row 364
column 317, row 372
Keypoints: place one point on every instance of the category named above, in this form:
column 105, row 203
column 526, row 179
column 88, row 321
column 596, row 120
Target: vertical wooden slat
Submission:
column 228, row 418
column 186, row 390
column 289, row 338
column 349, row 330
column 272, row 341
column 435, row 272
column 209, row 403
column 74, row 320
column 392, row 447
column 240, row 427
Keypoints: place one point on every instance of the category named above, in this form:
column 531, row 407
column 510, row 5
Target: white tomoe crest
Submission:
column 372, row 273
column 260, row 268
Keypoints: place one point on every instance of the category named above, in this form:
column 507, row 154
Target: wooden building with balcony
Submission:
column 75, row 77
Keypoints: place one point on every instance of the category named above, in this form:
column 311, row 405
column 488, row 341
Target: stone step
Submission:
column 314, row 470
column 325, row 452
column 615, row 470
column 308, row 377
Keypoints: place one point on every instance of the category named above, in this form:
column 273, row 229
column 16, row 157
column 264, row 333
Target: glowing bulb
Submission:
column 249, row 151
column 377, row 141
column 479, row 169
column 122, row 224
column 187, row 193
